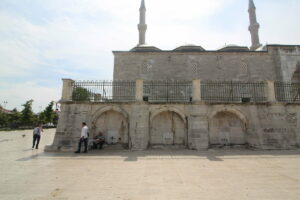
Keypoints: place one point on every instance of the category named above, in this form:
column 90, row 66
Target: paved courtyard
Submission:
column 154, row 174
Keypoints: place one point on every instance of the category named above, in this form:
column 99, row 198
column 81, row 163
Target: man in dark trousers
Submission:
column 37, row 135
column 83, row 138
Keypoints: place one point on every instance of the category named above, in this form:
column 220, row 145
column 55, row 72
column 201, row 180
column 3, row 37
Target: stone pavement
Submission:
column 146, row 175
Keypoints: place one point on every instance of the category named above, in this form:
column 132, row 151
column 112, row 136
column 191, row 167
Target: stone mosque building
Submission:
column 189, row 97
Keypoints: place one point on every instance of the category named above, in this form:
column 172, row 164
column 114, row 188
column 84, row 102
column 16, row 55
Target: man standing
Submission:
column 83, row 138
column 37, row 136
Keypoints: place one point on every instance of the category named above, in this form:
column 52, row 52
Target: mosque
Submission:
column 189, row 97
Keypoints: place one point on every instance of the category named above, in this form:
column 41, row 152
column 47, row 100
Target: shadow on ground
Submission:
column 214, row 155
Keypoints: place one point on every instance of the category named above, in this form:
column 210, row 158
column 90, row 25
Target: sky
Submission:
column 43, row 41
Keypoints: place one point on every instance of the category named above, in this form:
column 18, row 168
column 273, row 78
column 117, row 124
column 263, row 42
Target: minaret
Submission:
column 142, row 26
column 254, row 26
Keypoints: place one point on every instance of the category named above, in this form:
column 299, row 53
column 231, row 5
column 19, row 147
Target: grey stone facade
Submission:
column 195, row 124
column 277, row 62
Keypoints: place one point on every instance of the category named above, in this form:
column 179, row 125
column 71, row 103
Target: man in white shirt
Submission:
column 83, row 138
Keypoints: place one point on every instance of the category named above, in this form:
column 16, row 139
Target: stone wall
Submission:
column 288, row 58
column 195, row 126
column 244, row 66
column 278, row 62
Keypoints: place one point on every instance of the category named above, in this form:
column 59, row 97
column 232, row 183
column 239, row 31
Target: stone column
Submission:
column 196, row 90
column 271, row 91
column 139, row 91
column 67, row 90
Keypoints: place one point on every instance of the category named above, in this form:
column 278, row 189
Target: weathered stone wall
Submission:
column 287, row 59
column 278, row 63
column 244, row 66
column 194, row 125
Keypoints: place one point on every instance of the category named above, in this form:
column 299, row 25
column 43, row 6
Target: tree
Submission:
column 27, row 116
column 80, row 94
column 55, row 118
column 42, row 117
column 48, row 113
column 3, row 118
column 14, row 119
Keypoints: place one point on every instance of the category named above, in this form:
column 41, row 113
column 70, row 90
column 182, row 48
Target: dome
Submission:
column 189, row 48
column 233, row 48
column 145, row 48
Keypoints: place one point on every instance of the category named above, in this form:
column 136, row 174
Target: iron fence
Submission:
column 168, row 91
column 287, row 92
column 181, row 91
column 233, row 92
column 104, row 91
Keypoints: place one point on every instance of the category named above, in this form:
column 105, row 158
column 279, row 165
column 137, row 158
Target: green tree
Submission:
column 3, row 118
column 27, row 116
column 48, row 113
column 80, row 94
column 14, row 119
column 42, row 117
column 55, row 119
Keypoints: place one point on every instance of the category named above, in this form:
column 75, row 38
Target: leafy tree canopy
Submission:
column 27, row 116
column 80, row 94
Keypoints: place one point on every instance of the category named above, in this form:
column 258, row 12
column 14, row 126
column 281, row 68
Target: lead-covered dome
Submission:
column 189, row 48
column 145, row 48
column 233, row 48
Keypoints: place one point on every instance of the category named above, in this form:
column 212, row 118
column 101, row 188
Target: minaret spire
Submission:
column 254, row 26
column 142, row 26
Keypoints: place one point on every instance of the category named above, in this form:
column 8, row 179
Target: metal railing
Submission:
column 287, row 92
column 233, row 92
column 103, row 91
column 168, row 91
column 182, row 91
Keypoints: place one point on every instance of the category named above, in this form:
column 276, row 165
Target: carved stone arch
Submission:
column 168, row 109
column 113, row 122
column 227, row 126
column 168, row 126
column 100, row 111
column 230, row 110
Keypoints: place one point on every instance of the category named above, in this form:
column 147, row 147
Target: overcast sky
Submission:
column 43, row 41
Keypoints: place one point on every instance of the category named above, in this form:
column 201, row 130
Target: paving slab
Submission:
column 144, row 175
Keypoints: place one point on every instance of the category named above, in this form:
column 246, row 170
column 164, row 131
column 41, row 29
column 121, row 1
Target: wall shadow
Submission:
column 214, row 155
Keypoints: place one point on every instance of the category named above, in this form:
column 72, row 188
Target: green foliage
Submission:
column 15, row 119
column 3, row 119
column 48, row 115
column 42, row 117
column 27, row 116
column 81, row 94
column 55, row 119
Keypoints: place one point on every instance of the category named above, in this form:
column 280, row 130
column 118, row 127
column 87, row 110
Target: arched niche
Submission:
column 227, row 127
column 168, row 127
column 113, row 122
